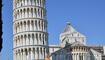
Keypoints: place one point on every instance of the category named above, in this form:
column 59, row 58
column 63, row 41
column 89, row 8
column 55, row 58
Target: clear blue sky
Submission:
column 86, row 16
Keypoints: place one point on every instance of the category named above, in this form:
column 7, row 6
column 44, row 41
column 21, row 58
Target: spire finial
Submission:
column 68, row 23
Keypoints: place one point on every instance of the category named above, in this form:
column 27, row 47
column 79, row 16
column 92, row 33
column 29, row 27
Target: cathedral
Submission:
column 30, row 36
column 74, row 47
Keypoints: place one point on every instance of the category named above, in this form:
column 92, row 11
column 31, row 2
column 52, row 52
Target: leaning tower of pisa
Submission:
column 30, row 37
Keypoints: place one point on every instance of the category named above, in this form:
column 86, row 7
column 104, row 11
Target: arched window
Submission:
column 28, row 12
column 41, row 13
column 38, row 2
column 32, row 24
column 24, row 11
column 29, row 38
column 41, row 50
column 36, row 25
column 24, row 26
column 21, row 26
column 42, row 25
column 43, row 39
column 37, row 50
column 40, row 37
column 37, row 38
column 28, row 28
column 18, row 41
column 31, row 2
column 39, row 24
column 25, row 37
column 31, row 12
column 21, row 13
column 38, row 12
column 18, row 14
column 26, row 53
column 35, row 12
column 17, row 3
column 33, row 38
column 35, row 2
column 18, row 28
column 21, row 40
column 23, row 2
column 27, row 2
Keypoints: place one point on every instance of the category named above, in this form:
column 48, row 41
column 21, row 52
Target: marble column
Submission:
column 32, row 55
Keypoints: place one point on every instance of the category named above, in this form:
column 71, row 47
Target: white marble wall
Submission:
column 104, row 49
column 71, row 36
column 30, row 37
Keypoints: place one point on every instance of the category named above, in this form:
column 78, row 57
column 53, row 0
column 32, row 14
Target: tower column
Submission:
column 23, row 55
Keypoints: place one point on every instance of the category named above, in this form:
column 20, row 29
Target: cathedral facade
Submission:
column 74, row 47
column 30, row 36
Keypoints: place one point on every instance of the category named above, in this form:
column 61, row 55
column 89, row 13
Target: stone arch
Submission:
column 27, row 41
column 43, row 38
column 23, row 2
column 21, row 26
column 31, row 12
column 35, row 2
column 39, row 25
column 29, row 36
column 33, row 38
column 29, row 49
column 32, row 25
column 32, row 2
column 16, row 42
column 22, row 50
column 36, row 24
column 17, row 3
column 38, row 2
column 44, row 26
column 24, row 26
column 24, row 12
column 41, row 13
column 35, row 12
column 37, row 50
column 18, row 14
column 28, row 25
column 17, row 27
column 27, row 12
column 38, row 12
column 36, row 38
column 26, row 51
column 25, row 37
column 21, row 40
column 41, row 50
column 40, row 38
column 19, row 51
column 46, row 37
